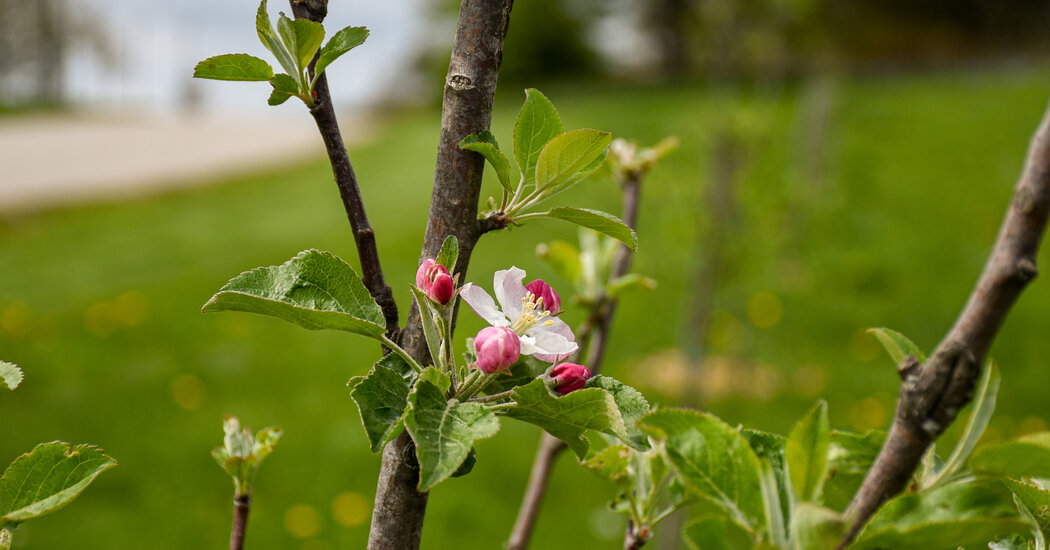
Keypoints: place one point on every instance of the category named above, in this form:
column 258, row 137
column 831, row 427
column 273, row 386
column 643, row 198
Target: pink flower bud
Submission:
column 569, row 377
column 497, row 347
column 435, row 280
column 550, row 300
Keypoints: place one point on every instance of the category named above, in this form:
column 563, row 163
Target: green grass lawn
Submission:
column 100, row 306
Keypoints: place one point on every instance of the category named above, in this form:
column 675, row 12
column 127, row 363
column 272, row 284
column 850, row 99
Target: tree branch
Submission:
column 932, row 394
column 241, row 507
column 596, row 332
column 397, row 520
column 323, row 112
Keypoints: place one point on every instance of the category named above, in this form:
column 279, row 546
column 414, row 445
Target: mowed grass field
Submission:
column 878, row 211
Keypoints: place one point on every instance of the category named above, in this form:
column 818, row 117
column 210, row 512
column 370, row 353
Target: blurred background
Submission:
column 842, row 166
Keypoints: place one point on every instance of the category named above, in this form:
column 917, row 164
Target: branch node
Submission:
column 908, row 367
column 1025, row 270
column 460, row 82
column 1024, row 202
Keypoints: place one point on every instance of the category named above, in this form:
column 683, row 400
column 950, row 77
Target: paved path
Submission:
column 54, row 160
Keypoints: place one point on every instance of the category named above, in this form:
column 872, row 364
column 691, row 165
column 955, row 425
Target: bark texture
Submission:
column 397, row 519
column 932, row 394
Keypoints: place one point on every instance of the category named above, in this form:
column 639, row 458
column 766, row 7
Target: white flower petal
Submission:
column 547, row 344
column 482, row 304
column 509, row 290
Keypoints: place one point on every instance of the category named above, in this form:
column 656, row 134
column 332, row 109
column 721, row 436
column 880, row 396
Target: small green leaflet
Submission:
column 807, row 453
column 284, row 87
column 315, row 290
column 537, row 123
column 302, row 37
column 47, row 478
column 340, row 43
column 273, row 43
column 983, row 407
column 718, row 533
column 568, row 416
column 10, row 375
column 444, row 431
column 897, row 345
column 713, row 460
column 485, row 145
column 382, row 398
column 234, row 66
column 950, row 516
column 570, row 157
column 598, row 221
column 449, row 254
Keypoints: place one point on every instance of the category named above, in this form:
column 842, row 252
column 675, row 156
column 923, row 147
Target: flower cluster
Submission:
column 529, row 311
column 524, row 323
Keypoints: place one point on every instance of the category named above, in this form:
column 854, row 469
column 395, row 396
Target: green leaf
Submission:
column 712, row 460
column 570, row 157
column 10, row 375
column 612, row 464
column 315, row 290
column 597, row 220
column 382, row 398
column 1036, row 501
column 273, row 43
column 619, row 285
column 816, row 528
column 897, row 345
column 340, row 43
column 537, row 123
column 717, row 533
column 302, row 37
column 983, row 407
column 958, row 514
column 850, row 456
column 431, row 319
column 769, row 448
column 444, row 431
column 234, row 66
column 563, row 257
column 284, row 87
column 568, row 416
column 449, row 254
column 1027, row 456
column 1013, row 542
column 485, row 145
column 468, row 464
column 47, row 478
column 807, row 453
column 631, row 403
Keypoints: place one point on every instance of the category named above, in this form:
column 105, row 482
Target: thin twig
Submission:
column 595, row 332
column 397, row 518
column 241, row 507
column 323, row 112
column 635, row 538
column 932, row 394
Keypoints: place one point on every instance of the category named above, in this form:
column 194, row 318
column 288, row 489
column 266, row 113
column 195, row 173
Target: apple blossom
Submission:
column 542, row 335
column 497, row 349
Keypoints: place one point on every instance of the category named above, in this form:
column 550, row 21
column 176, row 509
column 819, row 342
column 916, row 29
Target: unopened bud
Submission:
column 497, row 349
column 568, row 377
column 546, row 297
column 435, row 280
